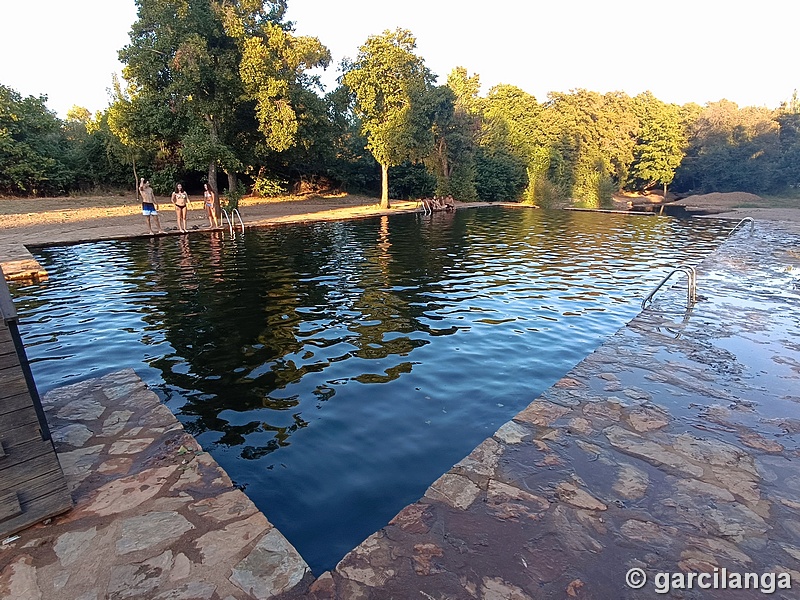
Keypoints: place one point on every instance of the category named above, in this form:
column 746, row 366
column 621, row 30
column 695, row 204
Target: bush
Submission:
column 234, row 196
column 411, row 180
column 547, row 194
column 163, row 180
column 501, row 176
column 267, row 186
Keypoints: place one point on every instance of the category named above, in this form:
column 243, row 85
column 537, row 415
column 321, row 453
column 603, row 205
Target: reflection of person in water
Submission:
column 181, row 201
column 149, row 206
column 215, row 247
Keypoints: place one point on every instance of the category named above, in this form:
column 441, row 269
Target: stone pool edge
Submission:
column 517, row 519
column 154, row 516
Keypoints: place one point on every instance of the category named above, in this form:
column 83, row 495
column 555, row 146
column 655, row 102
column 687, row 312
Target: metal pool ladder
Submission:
column 691, row 281
column 230, row 221
column 742, row 222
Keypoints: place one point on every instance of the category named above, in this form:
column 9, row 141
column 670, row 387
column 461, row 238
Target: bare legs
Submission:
column 181, row 215
column 213, row 221
column 149, row 225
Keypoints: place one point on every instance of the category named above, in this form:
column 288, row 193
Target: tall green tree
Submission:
column 32, row 146
column 208, row 74
column 591, row 137
column 732, row 149
column 512, row 133
column 661, row 142
column 390, row 83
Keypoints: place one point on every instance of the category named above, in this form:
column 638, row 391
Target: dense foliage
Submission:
column 226, row 84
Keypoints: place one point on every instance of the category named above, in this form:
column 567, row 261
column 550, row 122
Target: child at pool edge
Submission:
column 149, row 206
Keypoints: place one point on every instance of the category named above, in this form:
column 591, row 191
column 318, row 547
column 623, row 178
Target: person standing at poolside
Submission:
column 149, row 206
column 181, row 201
column 211, row 206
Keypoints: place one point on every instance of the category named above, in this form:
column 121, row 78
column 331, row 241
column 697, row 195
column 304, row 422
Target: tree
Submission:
column 732, row 149
column 390, row 83
column 661, row 142
column 32, row 144
column 272, row 69
column 132, row 136
column 512, row 128
column 591, row 137
column 208, row 74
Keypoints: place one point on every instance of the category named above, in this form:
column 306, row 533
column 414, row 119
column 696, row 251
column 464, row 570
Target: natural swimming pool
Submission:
column 337, row 369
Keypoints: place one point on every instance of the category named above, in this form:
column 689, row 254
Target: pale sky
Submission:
column 681, row 50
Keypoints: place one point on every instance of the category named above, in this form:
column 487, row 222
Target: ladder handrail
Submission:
column 691, row 281
column 745, row 220
column 230, row 225
column 239, row 216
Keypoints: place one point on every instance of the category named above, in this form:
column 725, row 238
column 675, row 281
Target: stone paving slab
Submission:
column 674, row 448
column 155, row 517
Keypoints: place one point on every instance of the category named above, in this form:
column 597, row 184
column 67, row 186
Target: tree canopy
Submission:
column 390, row 84
column 227, row 84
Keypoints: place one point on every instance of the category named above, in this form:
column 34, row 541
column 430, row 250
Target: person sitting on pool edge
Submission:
column 149, row 206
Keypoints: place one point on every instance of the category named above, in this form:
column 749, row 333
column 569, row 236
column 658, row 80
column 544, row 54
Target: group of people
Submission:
column 430, row 205
column 180, row 200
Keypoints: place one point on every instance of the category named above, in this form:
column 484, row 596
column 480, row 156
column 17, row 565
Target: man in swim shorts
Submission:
column 149, row 206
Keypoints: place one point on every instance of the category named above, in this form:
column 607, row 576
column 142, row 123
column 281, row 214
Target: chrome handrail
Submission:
column 227, row 218
column 691, row 281
column 745, row 220
column 235, row 211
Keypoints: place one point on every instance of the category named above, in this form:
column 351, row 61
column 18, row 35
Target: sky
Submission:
column 681, row 50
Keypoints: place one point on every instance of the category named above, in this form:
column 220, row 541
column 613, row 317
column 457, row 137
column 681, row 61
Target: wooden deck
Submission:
column 32, row 484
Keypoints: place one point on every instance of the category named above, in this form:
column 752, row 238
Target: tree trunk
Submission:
column 665, row 192
column 212, row 165
column 135, row 178
column 385, row 186
column 212, row 176
column 233, row 180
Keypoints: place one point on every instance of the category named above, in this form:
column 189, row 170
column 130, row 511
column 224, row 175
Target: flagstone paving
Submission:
column 155, row 517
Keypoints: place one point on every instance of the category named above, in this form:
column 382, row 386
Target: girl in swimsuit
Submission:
column 181, row 201
column 211, row 206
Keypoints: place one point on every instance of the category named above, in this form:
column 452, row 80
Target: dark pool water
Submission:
column 335, row 370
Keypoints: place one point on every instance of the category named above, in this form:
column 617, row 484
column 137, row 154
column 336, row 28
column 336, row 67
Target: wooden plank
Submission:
column 45, row 483
column 9, row 361
column 7, row 347
column 32, row 483
column 7, row 310
column 9, row 404
column 39, row 510
column 41, row 486
column 25, row 429
column 9, row 506
column 12, row 382
column 26, row 462
column 9, row 369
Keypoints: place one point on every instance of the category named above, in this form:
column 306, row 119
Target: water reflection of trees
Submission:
column 248, row 319
column 258, row 324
